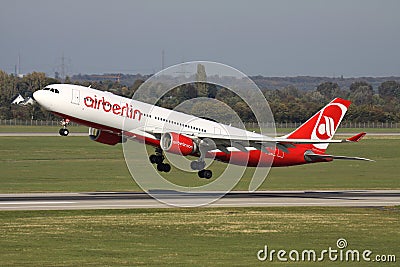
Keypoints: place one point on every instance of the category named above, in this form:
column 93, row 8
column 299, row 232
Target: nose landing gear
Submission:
column 64, row 131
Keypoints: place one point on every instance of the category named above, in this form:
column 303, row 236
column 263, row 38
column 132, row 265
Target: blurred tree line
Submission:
column 288, row 104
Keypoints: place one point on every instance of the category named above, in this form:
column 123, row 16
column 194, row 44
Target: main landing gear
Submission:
column 204, row 146
column 200, row 165
column 158, row 159
column 64, row 131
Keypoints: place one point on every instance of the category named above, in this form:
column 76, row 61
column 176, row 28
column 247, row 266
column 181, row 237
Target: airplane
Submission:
column 112, row 119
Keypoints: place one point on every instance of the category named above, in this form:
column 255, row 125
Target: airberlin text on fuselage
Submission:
column 121, row 110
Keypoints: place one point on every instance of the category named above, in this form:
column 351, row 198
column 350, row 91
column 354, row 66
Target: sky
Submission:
column 270, row 38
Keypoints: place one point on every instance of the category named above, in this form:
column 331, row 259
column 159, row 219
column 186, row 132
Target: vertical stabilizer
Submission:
column 323, row 125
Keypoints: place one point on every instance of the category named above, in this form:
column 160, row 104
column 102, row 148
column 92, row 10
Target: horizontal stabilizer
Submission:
column 356, row 138
column 314, row 157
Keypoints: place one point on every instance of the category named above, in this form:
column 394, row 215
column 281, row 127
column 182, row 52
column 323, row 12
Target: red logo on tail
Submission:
column 327, row 129
column 327, row 123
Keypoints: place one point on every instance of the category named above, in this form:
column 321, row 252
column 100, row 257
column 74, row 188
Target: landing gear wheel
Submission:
column 156, row 159
column 63, row 131
column 163, row 167
column 167, row 167
column 197, row 165
column 201, row 174
column 152, row 159
column 207, row 174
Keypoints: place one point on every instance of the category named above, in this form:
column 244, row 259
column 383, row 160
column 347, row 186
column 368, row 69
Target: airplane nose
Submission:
column 36, row 96
column 33, row 96
column 42, row 99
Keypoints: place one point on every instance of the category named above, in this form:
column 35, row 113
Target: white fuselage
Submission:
column 93, row 107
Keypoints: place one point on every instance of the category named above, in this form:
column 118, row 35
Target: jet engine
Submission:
column 104, row 137
column 177, row 144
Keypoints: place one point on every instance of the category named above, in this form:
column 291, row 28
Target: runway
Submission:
column 133, row 200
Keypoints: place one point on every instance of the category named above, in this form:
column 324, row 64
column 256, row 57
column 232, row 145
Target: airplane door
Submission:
column 75, row 96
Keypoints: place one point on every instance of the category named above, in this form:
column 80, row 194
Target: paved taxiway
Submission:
column 128, row 200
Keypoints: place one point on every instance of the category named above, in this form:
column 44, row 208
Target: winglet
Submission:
column 356, row 138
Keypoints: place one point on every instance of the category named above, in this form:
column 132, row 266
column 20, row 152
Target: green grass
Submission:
column 340, row 174
column 191, row 237
column 186, row 237
column 42, row 164
column 76, row 164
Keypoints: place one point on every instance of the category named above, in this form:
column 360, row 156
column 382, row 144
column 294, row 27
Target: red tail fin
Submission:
column 323, row 125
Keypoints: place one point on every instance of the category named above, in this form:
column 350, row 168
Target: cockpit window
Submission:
column 51, row 90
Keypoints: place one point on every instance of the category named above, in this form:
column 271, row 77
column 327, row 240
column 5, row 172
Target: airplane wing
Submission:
column 243, row 143
column 257, row 138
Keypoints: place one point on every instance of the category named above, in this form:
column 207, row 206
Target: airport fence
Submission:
column 344, row 124
column 15, row 122
column 249, row 125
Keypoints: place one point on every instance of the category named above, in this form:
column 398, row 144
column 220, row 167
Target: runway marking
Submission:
column 117, row 200
column 90, row 206
column 36, row 202
column 160, row 205
column 310, row 203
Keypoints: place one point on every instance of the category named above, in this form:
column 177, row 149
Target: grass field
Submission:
column 187, row 237
column 192, row 237
column 76, row 164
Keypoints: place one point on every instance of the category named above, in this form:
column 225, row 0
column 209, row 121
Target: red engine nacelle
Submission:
column 104, row 137
column 178, row 144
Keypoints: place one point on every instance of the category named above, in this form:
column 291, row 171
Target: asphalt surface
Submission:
column 131, row 200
